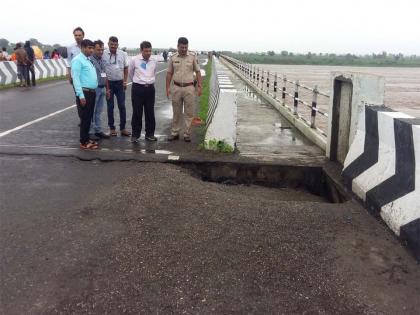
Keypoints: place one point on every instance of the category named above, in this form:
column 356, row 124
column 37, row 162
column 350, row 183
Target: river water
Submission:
column 402, row 85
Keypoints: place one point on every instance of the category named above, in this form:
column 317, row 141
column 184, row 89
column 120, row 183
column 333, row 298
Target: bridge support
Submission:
column 349, row 92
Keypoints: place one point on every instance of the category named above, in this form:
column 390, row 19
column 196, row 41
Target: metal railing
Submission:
column 278, row 87
column 214, row 93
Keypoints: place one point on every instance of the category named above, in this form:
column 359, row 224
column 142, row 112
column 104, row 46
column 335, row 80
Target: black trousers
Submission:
column 31, row 72
column 86, row 114
column 143, row 98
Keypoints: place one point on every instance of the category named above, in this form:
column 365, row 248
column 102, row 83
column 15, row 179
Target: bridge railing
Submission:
column 301, row 100
column 214, row 95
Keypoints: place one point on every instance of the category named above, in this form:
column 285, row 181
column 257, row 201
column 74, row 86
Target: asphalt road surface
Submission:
column 82, row 236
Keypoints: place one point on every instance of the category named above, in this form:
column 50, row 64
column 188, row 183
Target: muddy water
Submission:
column 402, row 89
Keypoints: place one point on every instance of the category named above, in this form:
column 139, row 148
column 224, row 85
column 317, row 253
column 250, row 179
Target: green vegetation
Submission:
column 219, row 146
column 13, row 85
column 287, row 58
column 34, row 42
column 204, row 98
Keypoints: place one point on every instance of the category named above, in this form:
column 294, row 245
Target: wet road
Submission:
column 80, row 236
column 22, row 106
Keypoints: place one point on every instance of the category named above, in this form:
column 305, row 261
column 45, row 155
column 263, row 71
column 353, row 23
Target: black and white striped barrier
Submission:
column 382, row 168
column 47, row 68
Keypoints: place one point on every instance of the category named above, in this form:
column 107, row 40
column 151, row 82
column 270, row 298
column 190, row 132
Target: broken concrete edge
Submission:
column 310, row 133
column 223, row 168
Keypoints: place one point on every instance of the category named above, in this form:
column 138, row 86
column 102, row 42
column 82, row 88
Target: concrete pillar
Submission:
column 350, row 91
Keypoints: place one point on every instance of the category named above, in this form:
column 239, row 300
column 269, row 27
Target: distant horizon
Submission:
column 277, row 52
column 362, row 27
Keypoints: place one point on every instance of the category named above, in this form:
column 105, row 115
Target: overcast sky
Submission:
column 354, row 26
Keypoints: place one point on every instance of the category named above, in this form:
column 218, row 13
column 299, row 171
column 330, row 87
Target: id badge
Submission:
column 103, row 75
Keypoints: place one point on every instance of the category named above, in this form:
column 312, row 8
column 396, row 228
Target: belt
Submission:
column 101, row 86
column 89, row 90
column 183, row 84
column 144, row 85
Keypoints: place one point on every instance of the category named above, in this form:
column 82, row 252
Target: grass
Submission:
column 219, row 146
column 204, row 98
column 14, row 85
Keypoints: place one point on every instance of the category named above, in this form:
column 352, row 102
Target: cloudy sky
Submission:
column 354, row 26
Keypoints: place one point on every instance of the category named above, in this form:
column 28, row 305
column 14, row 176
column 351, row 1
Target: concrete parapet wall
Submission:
column 222, row 113
column 382, row 168
column 44, row 68
column 350, row 91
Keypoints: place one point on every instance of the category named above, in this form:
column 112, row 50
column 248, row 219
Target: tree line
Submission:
column 34, row 42
column 289, row 58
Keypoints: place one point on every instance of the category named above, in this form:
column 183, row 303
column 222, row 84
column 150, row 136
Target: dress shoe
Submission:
column 125, row 133
column 173, row 137
column 102, row 135
column 94, row 137
column 151, row 138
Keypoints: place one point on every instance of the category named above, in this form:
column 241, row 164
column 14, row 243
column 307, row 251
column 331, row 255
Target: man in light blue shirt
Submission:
column 85, row 83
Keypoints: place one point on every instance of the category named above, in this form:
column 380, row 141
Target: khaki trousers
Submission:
column 183, row 101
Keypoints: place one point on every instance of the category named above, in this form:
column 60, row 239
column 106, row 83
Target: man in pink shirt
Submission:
column 142, row 72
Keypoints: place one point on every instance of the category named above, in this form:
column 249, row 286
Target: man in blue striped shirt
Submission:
column 85, row 83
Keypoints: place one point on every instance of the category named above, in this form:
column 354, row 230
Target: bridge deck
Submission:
column 264, row 134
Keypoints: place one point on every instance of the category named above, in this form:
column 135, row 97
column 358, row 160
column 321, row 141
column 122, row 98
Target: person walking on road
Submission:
column 22, row 64
column 165, row 56
column 85, row 83
column 181, row 68
column 30, row 66
column 116, row 66
column 98, row 62
column 142, row 72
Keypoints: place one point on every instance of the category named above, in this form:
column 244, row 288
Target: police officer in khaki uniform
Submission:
column 181, row 69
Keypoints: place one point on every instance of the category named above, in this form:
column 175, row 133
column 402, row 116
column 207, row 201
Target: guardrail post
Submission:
column 275, row 85
column 314, row 101
column 268, row 82
column 258, row 76
column 262, row 79
column 296, row 98
column 283, row 95
column 253, row 74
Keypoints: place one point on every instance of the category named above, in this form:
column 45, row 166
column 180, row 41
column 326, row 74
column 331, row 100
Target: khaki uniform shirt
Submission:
column 183, row 67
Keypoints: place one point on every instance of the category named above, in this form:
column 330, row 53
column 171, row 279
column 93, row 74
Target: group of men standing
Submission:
column 25, row 59
column 97, row 74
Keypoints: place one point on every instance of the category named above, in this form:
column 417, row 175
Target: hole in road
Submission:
column 299, row 183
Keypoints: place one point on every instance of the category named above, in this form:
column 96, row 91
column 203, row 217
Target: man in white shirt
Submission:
column 142, row 72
